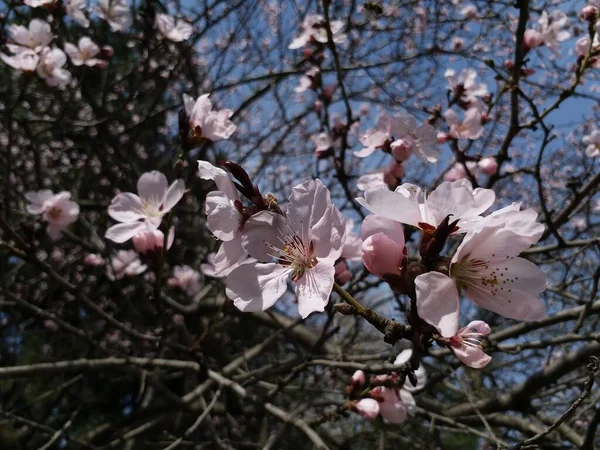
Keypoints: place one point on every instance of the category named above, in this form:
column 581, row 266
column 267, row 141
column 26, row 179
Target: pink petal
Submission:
column 126, row 207
column 519, row 305
column 260, row 229
column 392, row 205
column 152, row 187
column 256, row 287
column 314, row 288
column 207, row 171
column 228, row 256
column 173, row 195
column 472, row 356
column 438, row 302
column 122, row 232
column 367, row 407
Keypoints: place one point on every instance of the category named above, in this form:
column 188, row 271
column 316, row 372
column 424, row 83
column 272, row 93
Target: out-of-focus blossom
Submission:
column 25, row 61
column 35, row 37
column 323, row 144
column 151, row 240
column 176, row 31
column 464, row 86
column 341, row 275
column 469, row 128
column 138, row 213
column 314, row 30
column 58, row 210
column 592, row 143
column 469, row 11
column 551, row 27
column 305, row 243
column 532, row 39
column 353, row 243
column 116, row 13
column 84, row 53
column 408, row 204
column 383, row 245
column 420, row 374
column 467, row 344
column 309, row 80
column 124, row 263
column 76, row 11
column 186, row 278
column 488, row 166
column 206, row 123
column 93, row 259
column 487, row 268
column 50, row 68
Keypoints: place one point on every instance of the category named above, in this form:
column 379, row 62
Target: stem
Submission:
column 360, row 309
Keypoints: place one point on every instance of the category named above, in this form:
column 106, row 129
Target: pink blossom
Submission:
column 358, row 379
column 176, row 31
column 409, row 205
column 116, row 13
column 486, row 267
column 590, row 13
column 124, row 263
column 76, row 10
column 464, row 85
column 532, row 39
column 35, row 37
column 469, row 128
column 208, row 124
column 56, row 209
column 323, row 143
column 93, row 259
column 383, row 245
column 394, row 404
column 551, row 29
column 367, row 407
column 488, row 166
column 305, row 244
column 469, row 11
column 38, row 3
column 151, row 240
column 50, row 68
column 592, row 142
column 313, row 29
column 138, row 213
column 25, row 61
column 309, row 80
column 467, row 344
column 186, row 278
column 224, row 218
column 84, row 53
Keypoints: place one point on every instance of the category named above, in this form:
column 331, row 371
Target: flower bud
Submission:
column 151, row 241
column 367, row 407
column 401, row 150
column 381, row 255
column 488, row 166
column 532, row 39
column 358, row 379
column 396, row 169
column 589, row 13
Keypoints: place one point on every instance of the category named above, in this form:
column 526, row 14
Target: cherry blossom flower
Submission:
column 358, row 380
column 116, row 13
column 224, row 218
column 394, row 404
column 36, row 37
column 383, row 245
column 305, row 243
column 469, row 11
column 367, row 407
column 400, row 133
column 313, row 29
column 186, row 278
column 409, row 205
column 76, row 11
column 308, row 80
column 84, row 53
column 206, row 123
column 551, row 28
column 50, row 68
column 323, row 144
column 467, row 344
column 464, row 85
column 469, row 128
column 151, row 240
column 56, row 209
column 486, row 267
column 25, row 61
column 138, row 213
column 592, row 142
column 176, row 31
column 420, row 374
column 488, row 166
column 124, row 263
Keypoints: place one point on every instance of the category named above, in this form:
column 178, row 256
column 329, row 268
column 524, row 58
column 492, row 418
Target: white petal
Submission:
column 438, row 302
column 122, row 232
column 256, row 287
column 393, row 205
column 125, row 207
column 152, row 187
column 173, row 195
column 223, row 217
column 516, row 304
column 314, row 288
column 263, row 228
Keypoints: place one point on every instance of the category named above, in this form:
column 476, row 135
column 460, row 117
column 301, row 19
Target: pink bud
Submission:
column 532, row 39
column 358, row 379
column 318, row 106
column 107, row 51
column 389, row 180
column 342, row 275
column 509, row 64
column 367, row 407
column 381, row 255
column 488, row 166
column 101, row 64
column 590, row 13
column 151, row 240
column 50, row 325
column 328, row 91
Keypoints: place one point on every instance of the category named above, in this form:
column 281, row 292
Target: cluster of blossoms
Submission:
column 314, row 31
column 549, row 33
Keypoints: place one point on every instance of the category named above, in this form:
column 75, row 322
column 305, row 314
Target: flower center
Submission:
column 150, row 210
column 54, row 212
column 474, row 340
column 295, row 254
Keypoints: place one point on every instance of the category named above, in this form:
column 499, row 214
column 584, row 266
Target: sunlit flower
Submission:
column 592, row 142
column 313, row 29
column 464, row 86
column 76, row 11
column 206, row 123
column 58, row 210
column 176, row 31
column 469, row 128
column 35, row 37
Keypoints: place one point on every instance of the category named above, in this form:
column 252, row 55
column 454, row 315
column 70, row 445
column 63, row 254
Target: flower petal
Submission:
column 438, row 302
column 256, row 287
column 472, row 356
column 223, row 217
column 122, row 232
column 392, row 205
column 152, row 187
column 173, row 195
column 314, row 288
column 126, row 207
column 516, row 304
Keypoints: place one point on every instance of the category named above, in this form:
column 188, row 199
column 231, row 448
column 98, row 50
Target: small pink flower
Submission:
column 35, row 37
column 323, row 144
column 169, row 28
column 464, row 86
column 124, row 263
column 76, row 10
column 532, row 39
column 590, row 13
column 592, row 142
column 186, row 278
column 383, row 245
column 93, row 259
column 116, row 13
column 138, row 213
column 50, row 68
column 469, row 128
column 313, row 29
column 206, row 123
column 358, row 379
column 84, row 53
column 467, row 344
column 488, row 166
column 367, row 407
column 56, row 209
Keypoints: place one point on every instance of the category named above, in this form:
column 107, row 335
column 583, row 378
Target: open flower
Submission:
column 186, row 278
column 592, row 142
column 409, row 205
column 56, row 209
column 305, row 244
column 486, row 267
column 469, row 128
column 138, row 213
column 464, row 86
column 35, row 37
column 206, row 123
column 176, row 31
column 50, row 68
column 116, row 13
column 124, row 263
column 313, row 29
column 84, row 53
column 551, row 28
column 76, row 11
